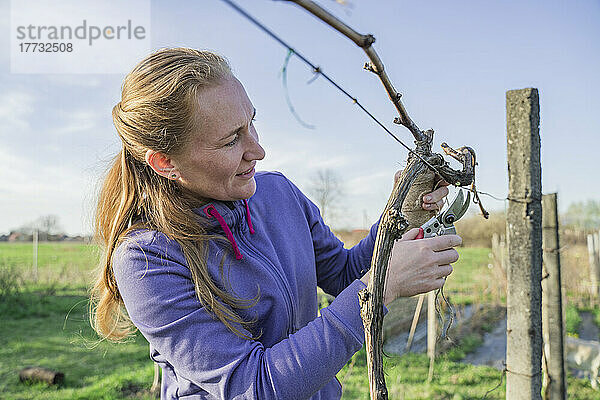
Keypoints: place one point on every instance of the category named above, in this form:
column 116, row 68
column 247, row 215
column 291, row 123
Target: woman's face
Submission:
column 219, row 161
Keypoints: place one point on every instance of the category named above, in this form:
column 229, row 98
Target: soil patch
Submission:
column 492, row 351
column 471, row 322
column 588, row 330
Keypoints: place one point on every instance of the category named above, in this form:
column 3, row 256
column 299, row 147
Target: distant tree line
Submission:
column 327, row 189
column 48, row 229
column 583, row 215
column 580, row 219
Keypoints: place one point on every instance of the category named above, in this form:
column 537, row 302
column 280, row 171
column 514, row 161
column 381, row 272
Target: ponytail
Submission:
column 157, row 112
column 114, row 213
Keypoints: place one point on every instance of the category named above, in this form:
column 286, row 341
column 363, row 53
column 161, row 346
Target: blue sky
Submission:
column 453, row 62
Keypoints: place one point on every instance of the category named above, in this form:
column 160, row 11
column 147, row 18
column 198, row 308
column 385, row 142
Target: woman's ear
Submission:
column 161, row 164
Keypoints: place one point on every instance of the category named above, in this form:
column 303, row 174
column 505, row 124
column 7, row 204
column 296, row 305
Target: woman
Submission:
column 217, row 265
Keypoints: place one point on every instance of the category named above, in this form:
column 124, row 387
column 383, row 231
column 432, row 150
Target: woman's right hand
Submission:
column 418, row 266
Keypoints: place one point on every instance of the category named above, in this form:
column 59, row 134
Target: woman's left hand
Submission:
column 434, row 200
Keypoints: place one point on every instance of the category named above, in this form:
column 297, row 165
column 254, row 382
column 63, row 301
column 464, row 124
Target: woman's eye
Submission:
column 234, row 141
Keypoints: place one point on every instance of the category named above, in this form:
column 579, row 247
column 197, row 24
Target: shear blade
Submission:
column 458, row 208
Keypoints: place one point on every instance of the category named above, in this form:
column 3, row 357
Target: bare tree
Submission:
column 583, row 215
column 327, row 189
column 46, row 226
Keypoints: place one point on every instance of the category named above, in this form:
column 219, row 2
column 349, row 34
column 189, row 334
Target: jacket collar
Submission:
column 228, row 215
column 233, row 212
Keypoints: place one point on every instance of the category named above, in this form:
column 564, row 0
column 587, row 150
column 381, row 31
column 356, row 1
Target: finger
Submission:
column 436, row 206
column 410, row 235
column 436, row 195
column 438, row 283
column 444, row 270
column 397, row 175
column 446, row 256
column 443, row 242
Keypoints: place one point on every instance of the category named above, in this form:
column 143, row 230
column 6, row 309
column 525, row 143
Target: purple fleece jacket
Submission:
column 291, row 251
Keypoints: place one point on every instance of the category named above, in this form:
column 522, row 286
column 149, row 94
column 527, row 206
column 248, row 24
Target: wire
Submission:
column 318, row 71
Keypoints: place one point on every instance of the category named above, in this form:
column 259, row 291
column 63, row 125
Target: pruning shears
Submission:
column 443, row 223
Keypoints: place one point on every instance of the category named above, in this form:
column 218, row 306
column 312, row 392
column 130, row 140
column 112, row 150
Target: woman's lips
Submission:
column 247, row 173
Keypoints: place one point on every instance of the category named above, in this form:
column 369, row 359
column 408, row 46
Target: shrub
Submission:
column 10, row 282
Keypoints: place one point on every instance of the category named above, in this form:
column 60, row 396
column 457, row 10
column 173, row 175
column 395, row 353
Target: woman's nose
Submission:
column 254, row 150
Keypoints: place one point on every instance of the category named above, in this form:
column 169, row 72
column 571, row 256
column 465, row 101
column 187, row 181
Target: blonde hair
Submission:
column 156, row 113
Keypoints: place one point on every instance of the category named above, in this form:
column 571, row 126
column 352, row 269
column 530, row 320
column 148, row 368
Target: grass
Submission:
column 572, row 320
column 407, row 379
column 59, row 263
column 45, row 323
column 61, row 339
column 473, row 281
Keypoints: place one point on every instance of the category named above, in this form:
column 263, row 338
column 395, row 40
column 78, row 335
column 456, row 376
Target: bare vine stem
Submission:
column 393, row 223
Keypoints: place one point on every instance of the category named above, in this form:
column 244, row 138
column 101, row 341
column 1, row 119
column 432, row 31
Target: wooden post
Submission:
column 499, row 251
column 594, row 266
column 155, row 389
column 431, row 332
column 597, row 245
column 524, row 241
column 504, row 252
column 415, row 322
column 35, row 255
column 496, row 249
column 555, row 387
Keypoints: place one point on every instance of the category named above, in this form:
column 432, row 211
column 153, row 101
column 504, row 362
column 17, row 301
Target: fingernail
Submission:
column 427, row 198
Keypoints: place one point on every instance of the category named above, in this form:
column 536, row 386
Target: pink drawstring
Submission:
column 248, row 216
column 212, row 211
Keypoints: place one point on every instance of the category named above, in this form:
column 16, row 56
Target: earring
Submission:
column 173, row 175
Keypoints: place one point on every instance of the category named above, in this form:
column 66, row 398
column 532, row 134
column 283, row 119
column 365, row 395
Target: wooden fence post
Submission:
column 555, row 387
column 524, row 241
column 431, row 332
column 594, row 267
column 35, row 255
column 415, row 322
column 155, row 389
column 597, row 242
column 496, row 249
column 499, row 251
column 597, row 247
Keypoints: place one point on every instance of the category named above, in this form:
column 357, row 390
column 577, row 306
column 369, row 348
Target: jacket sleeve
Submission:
column 159, row 296
column 337, row 266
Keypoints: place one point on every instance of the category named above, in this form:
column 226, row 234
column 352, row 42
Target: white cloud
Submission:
column 34, row 187
column 76, row 121
column 65, row 80
column 296, row 153
column 366, row 184
column 16, row 109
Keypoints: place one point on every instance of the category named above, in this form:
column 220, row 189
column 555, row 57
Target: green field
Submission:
column 45, row 323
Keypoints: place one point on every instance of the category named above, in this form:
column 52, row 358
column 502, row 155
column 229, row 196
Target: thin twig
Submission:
column 365, row 42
